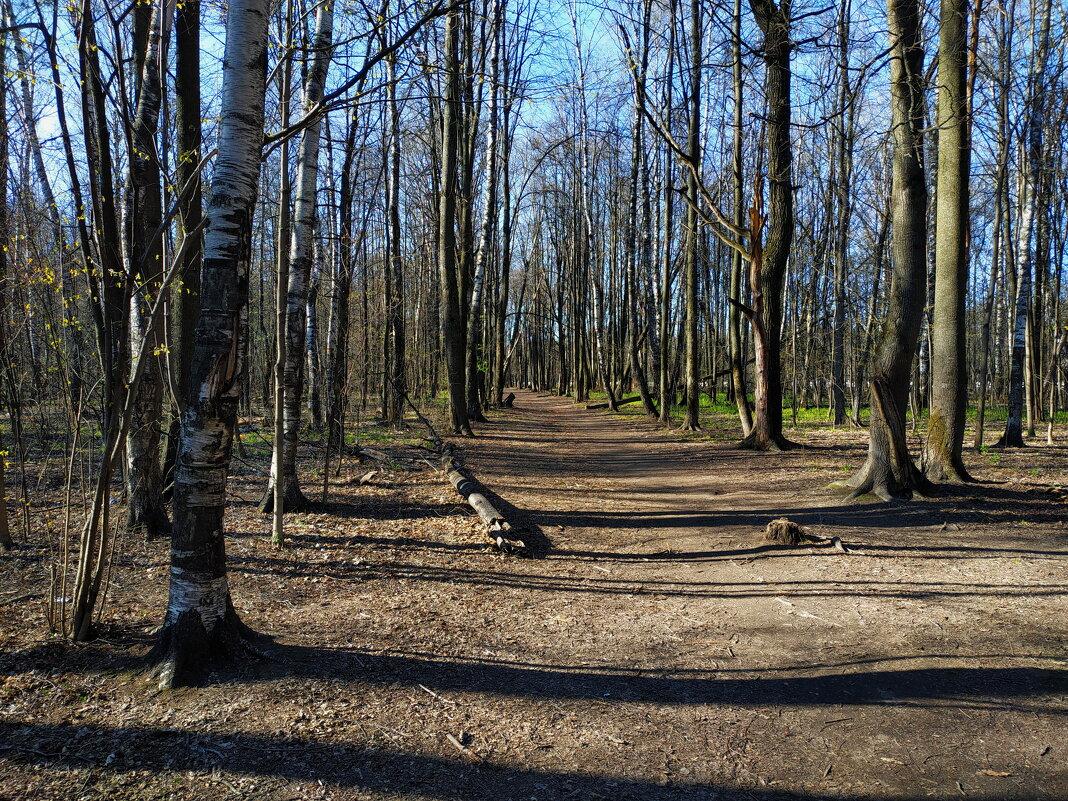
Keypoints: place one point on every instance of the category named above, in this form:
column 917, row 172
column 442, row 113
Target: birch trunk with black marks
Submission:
column 475, row 372
column 1029, row 178
column 301, row 254
column 201, row 629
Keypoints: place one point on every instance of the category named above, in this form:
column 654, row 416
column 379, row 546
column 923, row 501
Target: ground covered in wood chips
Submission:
column 653, row 648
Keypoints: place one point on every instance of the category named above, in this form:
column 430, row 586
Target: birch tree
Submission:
column 201, row 628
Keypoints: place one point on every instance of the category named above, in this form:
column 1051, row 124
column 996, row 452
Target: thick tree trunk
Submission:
column 942, row 460
column 201, row 628
column 774, row 22
column 888, row 471
column 452, row 331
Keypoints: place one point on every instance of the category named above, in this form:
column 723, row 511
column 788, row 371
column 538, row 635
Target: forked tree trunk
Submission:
column 734, row 320
column 201, row 628
column 301, row 253
column 889, row 471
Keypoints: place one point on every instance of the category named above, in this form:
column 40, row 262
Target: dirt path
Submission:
column 654, row 650
column 928, row 663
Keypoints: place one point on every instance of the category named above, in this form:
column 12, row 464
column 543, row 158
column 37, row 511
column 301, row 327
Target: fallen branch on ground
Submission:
column 622, row 402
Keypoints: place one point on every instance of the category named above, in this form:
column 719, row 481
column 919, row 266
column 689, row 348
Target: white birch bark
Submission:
column 199, row 612
column 301, row 253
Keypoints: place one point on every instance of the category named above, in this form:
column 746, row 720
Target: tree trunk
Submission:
column 734, row 319
column 692, row 420
column 942, row 459
column 201, row 628
column 452, row 332
column 889, row 471
column 186, row 295
column 1030, row 169
column 301, row 254
column 774, row 22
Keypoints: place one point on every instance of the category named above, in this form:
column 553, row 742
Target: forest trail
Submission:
column 654, row 650
column 917, row 666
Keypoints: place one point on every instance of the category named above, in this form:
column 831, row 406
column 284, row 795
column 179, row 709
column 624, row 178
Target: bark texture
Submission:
column 942, row 459
column 889, row 471
column 201, row 628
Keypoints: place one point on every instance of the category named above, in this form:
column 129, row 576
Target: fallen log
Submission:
column 498, row 529
column 622, row 402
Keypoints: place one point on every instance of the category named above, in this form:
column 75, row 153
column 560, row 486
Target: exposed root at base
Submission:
column 186, row 653
column 293, row 499
column 774, row 444
column 877, row 478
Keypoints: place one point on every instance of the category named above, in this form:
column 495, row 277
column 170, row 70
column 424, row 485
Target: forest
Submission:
column 513, row 399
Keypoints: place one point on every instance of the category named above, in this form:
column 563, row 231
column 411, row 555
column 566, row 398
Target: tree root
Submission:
column 770, row 444
column 293, row 498
column 186, row 653
column 877, row 478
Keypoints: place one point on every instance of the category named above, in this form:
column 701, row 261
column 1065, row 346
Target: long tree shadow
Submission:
column 1009, row 688
column 351, row 766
